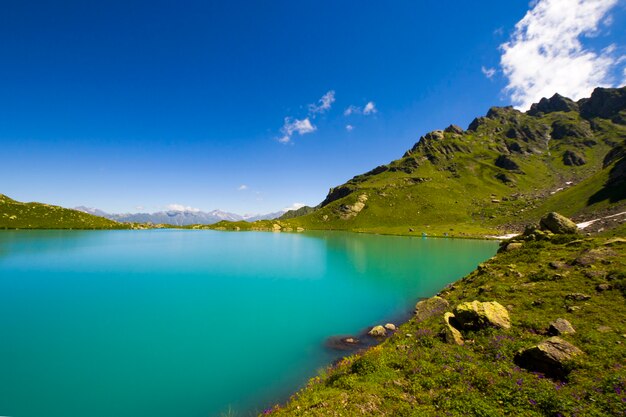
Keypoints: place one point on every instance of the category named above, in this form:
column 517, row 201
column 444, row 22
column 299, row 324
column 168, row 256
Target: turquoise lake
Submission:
column 184, row 323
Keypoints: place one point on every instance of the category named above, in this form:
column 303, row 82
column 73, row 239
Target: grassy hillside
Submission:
column 417, row 373
column 16, row 215
column 506, row 169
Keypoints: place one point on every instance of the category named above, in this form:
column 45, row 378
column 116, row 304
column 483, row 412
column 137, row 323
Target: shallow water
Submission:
column 195, row 323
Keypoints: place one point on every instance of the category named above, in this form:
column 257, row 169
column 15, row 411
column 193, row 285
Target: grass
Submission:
column 17, row 215
column 415, row 373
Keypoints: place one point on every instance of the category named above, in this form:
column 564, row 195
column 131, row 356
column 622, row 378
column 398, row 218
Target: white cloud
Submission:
column 325, row 103
column 351, row 109
column 370, row 108
column 140, row 208
column 349, row 128
column 294, row 206
column 180, row 207
column 488, row 72
column 545, row 54
column 242, row 187
column 291, row 126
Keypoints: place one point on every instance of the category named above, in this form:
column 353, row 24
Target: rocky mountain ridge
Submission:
column 179, row 217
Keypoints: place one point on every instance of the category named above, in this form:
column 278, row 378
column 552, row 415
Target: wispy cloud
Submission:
column 181, row 207
column 294, row 206
column 324, row 104
column 140, row 208
column 351, row 109
column 545, row 55
column 242, row 187
column 370, row 108
column 488, row 72
column 291, row 126
column 349, row 128
column 304, row 126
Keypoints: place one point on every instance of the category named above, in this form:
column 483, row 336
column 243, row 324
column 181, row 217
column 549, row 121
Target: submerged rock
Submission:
column 430, row 307
column 477, row 315
column 558, row 224
column 343, row 343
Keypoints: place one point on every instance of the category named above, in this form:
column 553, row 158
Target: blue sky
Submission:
column 242, row 105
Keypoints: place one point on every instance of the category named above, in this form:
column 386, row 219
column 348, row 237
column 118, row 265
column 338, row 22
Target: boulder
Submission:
column 604, row 287
column 391, row 327
column 377, row 331
column 450, row 333
column 477, row 315
column 513, row 246
column 550, row 357
column 430, row 307
column 558, row 224
column 561, row 326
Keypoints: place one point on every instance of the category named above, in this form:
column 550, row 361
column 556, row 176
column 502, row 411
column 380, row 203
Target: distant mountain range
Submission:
column 180, row 218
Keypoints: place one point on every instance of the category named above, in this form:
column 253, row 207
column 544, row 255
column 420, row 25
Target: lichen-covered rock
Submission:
column 478, row 315
column 377, row 331
column 561, row 326
column 558, row 224
column 430, row 307
column 550, row 357
column 513, row 246
column 450, row 333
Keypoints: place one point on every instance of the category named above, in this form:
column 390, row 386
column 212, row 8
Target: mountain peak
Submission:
column 553, row 104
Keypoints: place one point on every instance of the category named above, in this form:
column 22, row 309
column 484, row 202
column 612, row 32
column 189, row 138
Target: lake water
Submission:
column 175, row 323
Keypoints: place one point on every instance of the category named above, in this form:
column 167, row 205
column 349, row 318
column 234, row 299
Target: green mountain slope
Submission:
column 16, row 215
column 506, row 169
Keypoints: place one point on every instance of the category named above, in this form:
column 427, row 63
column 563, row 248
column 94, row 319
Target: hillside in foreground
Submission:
column 17, row 215
column 505, row 170
column 538, row 330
